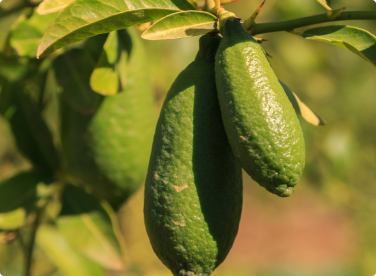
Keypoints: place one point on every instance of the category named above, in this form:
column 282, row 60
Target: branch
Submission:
column 4, row 13
column 263, row 28
column 30, row 248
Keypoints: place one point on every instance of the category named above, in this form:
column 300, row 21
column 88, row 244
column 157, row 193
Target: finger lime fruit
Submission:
column 109, row 149
column 193, row 192
column 261, row 125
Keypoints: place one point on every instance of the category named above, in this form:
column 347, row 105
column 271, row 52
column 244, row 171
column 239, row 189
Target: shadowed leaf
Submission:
column 6, row 23
column 73, row 70
column 32, row 135
column 27, row 34
column 86, row 18
column 18, row 196
column 181, row 24
column 354, row 39
column 19, row 191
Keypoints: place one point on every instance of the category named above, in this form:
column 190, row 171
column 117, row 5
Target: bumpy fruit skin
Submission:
column 109, row 150
column 260, row 122
column 193, row 193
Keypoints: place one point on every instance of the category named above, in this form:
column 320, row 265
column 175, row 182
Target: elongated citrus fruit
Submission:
column 110, row 148
column 193, row 193
column 260, row 122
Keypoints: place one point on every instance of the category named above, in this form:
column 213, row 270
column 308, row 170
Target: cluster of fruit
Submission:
column 226, row 111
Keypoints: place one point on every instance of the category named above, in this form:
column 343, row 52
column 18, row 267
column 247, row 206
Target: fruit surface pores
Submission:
column 193, row 193
column 260, row 122
column 109, row 150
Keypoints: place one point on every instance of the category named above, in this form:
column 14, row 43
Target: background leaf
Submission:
column 301, row 109
column 57, row 249
column 181, row 24
column 105, row 79
column 6, row 23
column 13, row 69
column 23, row 112
column 354, row 39
column 73, row 70
column 12, row 220
column 325, row 4
column 19, row 191
column 27, row 34
column 18, row 196
column 86, row 18
column 87, row 227
column 51, row 6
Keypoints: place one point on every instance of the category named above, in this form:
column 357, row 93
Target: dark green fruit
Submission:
column 109, row 149
column 193, row 193
column 260, row 122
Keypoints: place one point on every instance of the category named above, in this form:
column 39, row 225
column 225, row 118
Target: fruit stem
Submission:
column 203, row 6
column 223, row 16
column 307, row 21
column 336, row 13
column 248, row 24
column 217, row 4
column 209, row 6
column 225, row 2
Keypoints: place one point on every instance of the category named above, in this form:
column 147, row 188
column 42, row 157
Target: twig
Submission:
column 18, row 8
column 30, row 247
column 311, row 20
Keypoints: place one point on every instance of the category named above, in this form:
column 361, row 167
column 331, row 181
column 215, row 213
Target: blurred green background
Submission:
column 328, row 226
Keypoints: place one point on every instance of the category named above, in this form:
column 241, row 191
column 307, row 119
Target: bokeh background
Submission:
column 328, row 226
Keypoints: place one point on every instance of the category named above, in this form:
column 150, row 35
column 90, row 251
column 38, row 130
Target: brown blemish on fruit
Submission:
column 179, row 189
column 179, row 223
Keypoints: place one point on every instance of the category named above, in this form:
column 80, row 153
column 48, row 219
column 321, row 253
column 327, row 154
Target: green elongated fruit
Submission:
column 109, row 149
column 193, row 193
column 260, row 122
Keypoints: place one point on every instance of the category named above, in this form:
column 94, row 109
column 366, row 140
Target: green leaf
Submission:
column 6, row 24
column 325, row 4
column 356, row 40
column 73, row 70
column 19, row 191
column 51, row 6
column 13, row 220
column 105, row 79
column 301, row 109
column 181, row 24
column 30, row 131
column 67, row 260
column 87, row 227
column 27, row 34
column 87, row 18
column 13, row 69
